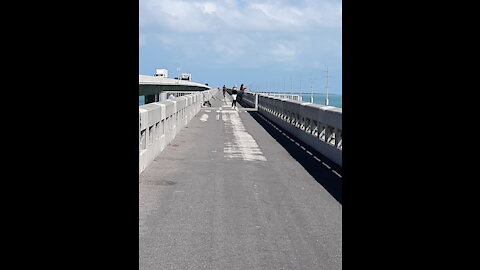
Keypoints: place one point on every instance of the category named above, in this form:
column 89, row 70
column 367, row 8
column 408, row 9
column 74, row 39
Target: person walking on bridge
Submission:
column 224, row 90
column 234, row 98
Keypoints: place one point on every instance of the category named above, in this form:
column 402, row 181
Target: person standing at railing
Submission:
column 240, row 94
column 224, row 90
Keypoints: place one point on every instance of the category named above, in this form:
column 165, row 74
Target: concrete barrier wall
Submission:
column 284, row 96
column 248, row 98
column 317, row 125
column 160, row 122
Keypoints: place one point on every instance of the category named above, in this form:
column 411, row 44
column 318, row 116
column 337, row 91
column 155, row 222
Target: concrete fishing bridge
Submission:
column 258, row 186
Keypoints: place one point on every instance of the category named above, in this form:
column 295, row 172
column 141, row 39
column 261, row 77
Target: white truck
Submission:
column 186, row 76
column 161, row 72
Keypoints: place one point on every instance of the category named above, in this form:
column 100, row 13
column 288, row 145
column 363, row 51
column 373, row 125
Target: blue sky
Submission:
column 264, row 44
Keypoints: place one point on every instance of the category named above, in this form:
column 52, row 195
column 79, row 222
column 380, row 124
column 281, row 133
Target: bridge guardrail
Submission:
column 160, row 122
column 317, row 125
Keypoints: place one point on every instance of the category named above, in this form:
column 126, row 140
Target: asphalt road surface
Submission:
column 233, row 192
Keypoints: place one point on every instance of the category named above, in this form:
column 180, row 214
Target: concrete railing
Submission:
column 160, row 122
column 153, row 80
column 284, row 96
column 168, row 94
column 178, row 93
column 316, row 125
column 276, row 95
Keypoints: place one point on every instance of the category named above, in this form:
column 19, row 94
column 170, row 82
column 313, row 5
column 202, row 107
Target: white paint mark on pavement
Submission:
column 204, row 117
column 244, row 145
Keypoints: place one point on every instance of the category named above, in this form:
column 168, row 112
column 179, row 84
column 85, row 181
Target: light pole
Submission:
column 326, row 98
column 311, row 88
column 178, row 75
column 291, row 85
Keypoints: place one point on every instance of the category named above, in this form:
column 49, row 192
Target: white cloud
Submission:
column 283, row 53
column 207, row 8
column 166, row 40
column 255, row 15
column 247, row 33
column 170, row 15
column 273, row 17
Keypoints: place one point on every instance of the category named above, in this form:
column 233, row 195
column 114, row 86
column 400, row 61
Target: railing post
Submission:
column 329, row 135
column 315, row 128
column 322, row 130
column 338, row 138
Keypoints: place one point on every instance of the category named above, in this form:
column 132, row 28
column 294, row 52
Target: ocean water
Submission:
column 333, row 99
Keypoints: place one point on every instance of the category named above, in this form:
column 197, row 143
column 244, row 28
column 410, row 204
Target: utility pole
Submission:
column 311, row 88
column 178, row 75
column 326, row 98
column 300, row 83
column 291, row 85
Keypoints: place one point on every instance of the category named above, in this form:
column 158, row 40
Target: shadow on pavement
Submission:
column 323, row 175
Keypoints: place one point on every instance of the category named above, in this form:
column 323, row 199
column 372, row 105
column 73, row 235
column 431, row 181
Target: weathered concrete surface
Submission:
column 216, row 199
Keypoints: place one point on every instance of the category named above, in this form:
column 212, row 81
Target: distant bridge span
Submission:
column 150, row 86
